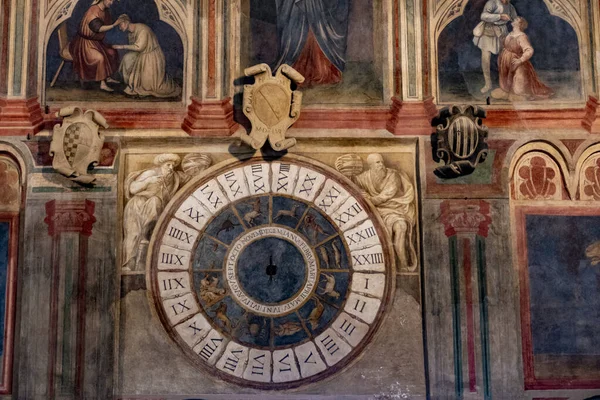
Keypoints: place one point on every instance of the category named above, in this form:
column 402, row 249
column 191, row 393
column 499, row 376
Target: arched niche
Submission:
column 9, row 153
column 456, row 61
column 587, row 173
column 10, row 183
column 537, row 177
column 170, row 20
column 368, row 75
column 539, row 172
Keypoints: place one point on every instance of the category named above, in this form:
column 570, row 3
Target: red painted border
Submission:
column 568, row 118
column 531, row 382
column 11, row 291
column 131, row 118
column 345, row 118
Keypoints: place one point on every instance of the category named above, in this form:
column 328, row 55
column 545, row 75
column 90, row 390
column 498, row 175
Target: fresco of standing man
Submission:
column 490, row 33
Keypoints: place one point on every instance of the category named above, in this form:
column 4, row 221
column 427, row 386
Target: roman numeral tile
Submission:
column 284, row 366
column 333, row 348
column 370, row 259
column 234, row 184
column 234, row 359
column 193, row 330
column 349, row 214
column 194, row 213
column 211, row 196
column 350, row 329
column 257, row 176
column 259, row 366
column 180, row 308
column 309, row 183
column 179, row 235
column 363, row 307
column 173, row 284
column 309, row 360
column 369, row 284
column 362, row 236
column 284, row 177
column 331, row 197
column 170, row 258
column 211, row 347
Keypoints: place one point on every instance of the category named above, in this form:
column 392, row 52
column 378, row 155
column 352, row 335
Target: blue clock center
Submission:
column 271, row 270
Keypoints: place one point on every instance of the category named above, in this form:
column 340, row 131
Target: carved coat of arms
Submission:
column 271, row 105
column 76, row 144
column 459, row 141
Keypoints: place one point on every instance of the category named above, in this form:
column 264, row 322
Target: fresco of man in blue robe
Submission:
column 312, row 38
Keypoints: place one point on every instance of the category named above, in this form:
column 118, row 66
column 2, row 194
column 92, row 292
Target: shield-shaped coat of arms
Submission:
column 271, row 105
column 76, row 144
column 459, row 141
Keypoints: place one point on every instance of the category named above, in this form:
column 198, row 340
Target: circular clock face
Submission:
column 271, row 274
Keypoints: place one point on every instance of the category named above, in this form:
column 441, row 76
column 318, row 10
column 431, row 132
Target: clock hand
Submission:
column 271, row 269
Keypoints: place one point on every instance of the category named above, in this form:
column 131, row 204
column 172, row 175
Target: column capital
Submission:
column 466, row 216
column 70, row 216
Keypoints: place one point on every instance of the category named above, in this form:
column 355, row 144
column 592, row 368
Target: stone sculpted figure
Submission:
column 393, row 195
column 148, row 192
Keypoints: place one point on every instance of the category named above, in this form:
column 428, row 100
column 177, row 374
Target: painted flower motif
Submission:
column 537, row 179
column 9, row 182
column 592, row 180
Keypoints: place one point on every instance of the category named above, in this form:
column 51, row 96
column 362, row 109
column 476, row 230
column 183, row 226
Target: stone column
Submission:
column 20, row 112
column 412, row 105
column 211, row 111
column 466, row 224
column 70, row 225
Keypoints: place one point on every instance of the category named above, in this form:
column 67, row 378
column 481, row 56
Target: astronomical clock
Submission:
column 270, row 273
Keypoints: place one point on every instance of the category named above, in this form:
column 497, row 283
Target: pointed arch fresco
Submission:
column 455, row 60
column 175, row 14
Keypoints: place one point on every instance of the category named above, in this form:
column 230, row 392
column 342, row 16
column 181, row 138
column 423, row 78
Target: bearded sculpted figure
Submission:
column 393, row 195
column 148, row 192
